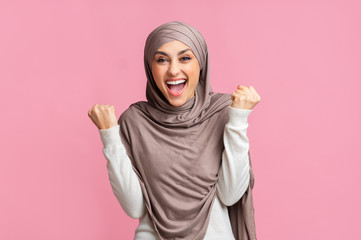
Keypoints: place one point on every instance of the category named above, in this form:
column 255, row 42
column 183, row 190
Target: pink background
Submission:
column 59, row 58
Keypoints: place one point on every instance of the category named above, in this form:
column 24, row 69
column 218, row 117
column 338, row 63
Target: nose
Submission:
column 174, row 68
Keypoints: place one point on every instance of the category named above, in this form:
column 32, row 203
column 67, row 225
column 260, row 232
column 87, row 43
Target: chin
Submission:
column 176, row 103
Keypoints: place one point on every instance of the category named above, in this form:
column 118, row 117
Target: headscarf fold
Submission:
column 176, row 151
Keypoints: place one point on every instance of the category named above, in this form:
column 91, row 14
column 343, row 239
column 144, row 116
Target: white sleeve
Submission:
column 124, row 181
column 234, row 171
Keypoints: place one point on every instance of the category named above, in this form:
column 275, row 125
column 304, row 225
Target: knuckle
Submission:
column 243, row 97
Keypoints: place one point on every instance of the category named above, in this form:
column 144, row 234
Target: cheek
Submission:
column 193, row 82
column 154, row 71
column 194, row 72
column 157, row 75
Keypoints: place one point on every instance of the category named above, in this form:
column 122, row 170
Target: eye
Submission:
column 186, row 58
column 160, row 60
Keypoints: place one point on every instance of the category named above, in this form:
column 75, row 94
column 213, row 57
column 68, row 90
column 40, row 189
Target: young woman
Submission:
column 180, row 161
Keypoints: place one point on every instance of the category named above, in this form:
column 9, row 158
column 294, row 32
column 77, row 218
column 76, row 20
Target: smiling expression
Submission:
column 176, row 72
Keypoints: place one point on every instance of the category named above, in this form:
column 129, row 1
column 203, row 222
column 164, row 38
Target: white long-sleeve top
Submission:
column 232, row 183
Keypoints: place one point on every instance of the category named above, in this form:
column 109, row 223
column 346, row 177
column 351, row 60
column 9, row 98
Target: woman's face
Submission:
column 176, row 72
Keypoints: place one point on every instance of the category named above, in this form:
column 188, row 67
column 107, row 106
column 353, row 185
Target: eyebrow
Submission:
column 180, row 53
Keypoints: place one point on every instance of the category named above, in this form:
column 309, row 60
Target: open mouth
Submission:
column 176, row 87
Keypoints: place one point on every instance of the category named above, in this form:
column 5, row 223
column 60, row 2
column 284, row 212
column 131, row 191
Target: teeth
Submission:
column 176, row 82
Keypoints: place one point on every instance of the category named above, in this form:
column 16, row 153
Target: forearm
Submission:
column 234, row 171
column 124, row 181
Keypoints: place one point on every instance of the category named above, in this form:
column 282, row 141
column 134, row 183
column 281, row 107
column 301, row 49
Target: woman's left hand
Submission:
column 245, row 98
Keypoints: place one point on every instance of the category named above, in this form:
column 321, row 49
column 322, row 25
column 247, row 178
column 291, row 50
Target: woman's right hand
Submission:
column 103, row 116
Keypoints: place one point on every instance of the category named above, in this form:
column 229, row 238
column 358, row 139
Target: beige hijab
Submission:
column 176, row 152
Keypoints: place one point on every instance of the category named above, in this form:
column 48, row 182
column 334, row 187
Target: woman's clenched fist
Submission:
column 103, row 116
column 245, row 98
